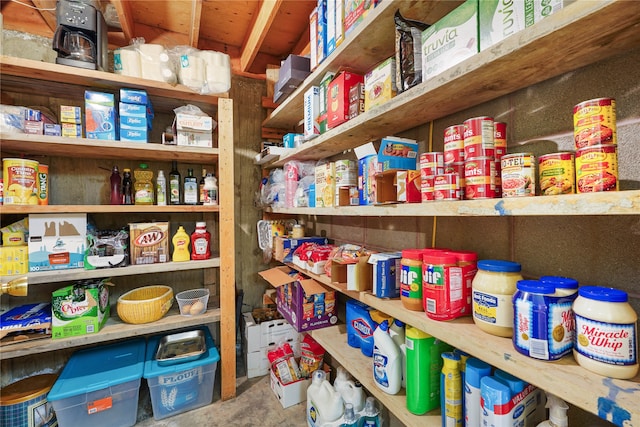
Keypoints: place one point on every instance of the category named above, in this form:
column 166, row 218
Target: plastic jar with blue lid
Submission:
column 492, row 289
column 606, row 332
column 564, row 285
column 543, row 322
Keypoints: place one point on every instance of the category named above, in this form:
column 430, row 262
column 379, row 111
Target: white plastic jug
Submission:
column 324, row 403
column 350, row 391
column 387, row 360
column 396, row 331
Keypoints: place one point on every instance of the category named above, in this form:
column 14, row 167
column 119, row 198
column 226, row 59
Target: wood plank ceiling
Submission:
column 255, row 33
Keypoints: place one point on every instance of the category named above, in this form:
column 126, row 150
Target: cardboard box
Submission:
column 324, row 87
column 325, row 180
column 100, row 112
column 14, row 260
column 322, row 30
column 380, row 84
column 193, row 130
column 338, row 97
column 313, row 39
column 408, row 185
column 498, row 20
column 149, row 242
column 70, row 114
column 57, row 241
column 354, row 13
column 398, row 153
column 134, row 96
column 289, row 394
column 293, row 71
column 70, row 130
column 347, row 196
column 386, row 187
column 449, row 41
column 306, row 304
column 79, row 309
column 284, row 246
column 52, row 129
column 386, row 274
column 368, row 169
column 311, row 112
column 357, row 276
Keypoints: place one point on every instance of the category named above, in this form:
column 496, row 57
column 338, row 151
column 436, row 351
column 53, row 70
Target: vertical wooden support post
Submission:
column 227, row 250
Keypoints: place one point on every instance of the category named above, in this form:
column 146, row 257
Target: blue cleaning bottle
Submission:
column 349, row 419
column 371, row 415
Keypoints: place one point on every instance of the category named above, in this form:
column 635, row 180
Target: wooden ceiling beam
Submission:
column 125, row 16
column 194, row 27
column 258, row 32
column 47, row 9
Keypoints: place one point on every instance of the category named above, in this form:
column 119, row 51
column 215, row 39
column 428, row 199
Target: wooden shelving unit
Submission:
column 28, row 77
column 549, row 48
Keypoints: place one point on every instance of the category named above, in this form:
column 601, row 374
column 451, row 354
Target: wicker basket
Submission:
column 146, row 304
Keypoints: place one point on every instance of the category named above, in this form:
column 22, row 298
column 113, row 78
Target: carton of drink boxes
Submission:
column 57, row 241
column 79, row 309
column 305, row 303
column 258, row 337
column 149, row 242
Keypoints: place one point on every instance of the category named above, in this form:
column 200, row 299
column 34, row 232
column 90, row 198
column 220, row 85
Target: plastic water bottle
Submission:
column 116, row 186
column 161, row 189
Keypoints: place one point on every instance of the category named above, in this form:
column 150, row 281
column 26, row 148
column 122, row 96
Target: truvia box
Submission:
column 57, row 241
column 499, row 20
column 180, row 387
column 451, row 40
column 99, row 387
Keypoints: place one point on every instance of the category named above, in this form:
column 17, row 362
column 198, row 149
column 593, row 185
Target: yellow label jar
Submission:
column 606, row 332
column 492, row 289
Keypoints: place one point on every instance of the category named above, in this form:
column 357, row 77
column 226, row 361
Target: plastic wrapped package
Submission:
column 145, row 60
column 12, row 118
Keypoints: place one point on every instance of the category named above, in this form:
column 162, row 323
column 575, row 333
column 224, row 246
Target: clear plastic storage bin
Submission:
column 183, row 386
column 99, row 387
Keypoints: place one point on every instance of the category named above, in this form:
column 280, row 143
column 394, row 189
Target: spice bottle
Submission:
column 116, row 186
column 200, row 242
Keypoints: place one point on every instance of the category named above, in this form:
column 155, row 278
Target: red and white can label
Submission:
column 500, row 136
column 479, row 176
column 426, row 188
column 454, row 144
column 445, row 187
column 478, row 137
column 431, row 163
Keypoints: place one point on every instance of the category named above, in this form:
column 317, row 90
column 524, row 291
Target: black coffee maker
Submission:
column 81, row 36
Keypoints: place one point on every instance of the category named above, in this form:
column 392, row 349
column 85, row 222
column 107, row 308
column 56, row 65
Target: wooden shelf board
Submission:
column 605, row 28
column 19, row 74
column 362, row 50
column 100, row 149
column 499, row 352
column 45, row 209
column 115, row 329
column 334, row 341
column 131, row 270
column 602, row 203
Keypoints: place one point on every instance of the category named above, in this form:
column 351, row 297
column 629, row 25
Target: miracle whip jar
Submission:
column 606, row 332
column 543, row 323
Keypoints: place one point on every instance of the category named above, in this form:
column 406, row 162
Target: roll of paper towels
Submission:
column 218, row 70
column 150, row 61
column 192, row 71
column 126, row 61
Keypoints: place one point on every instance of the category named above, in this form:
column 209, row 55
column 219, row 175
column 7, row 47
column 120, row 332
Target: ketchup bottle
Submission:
column 200, row 242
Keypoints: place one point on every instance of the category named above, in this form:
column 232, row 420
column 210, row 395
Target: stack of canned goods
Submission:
column 485, row 143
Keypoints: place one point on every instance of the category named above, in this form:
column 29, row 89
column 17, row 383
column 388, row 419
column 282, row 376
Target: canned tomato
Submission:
column 454, row 144
column 431, row 163
column 426, row 188
column 458, row 169
column 479, row 178
column 498, row 178
column 594, row 122
column 445, row 187
column 518, row 175
column 597, row 169
column 500, row 136
column 478, row 137
column 20, row 177
column 556, row 173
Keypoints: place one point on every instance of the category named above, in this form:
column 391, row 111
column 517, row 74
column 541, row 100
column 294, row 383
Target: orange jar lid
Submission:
column 26, row 389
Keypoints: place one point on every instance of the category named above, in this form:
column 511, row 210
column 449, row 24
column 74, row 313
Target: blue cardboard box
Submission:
column 134, row 96
column 386, row 274
column 398, row 153
column 100, row 114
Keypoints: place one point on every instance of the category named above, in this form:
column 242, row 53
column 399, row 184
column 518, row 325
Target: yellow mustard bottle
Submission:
column 181, row 246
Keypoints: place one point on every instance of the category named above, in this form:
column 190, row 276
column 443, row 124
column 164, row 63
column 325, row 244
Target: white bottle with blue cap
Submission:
column 387, row 360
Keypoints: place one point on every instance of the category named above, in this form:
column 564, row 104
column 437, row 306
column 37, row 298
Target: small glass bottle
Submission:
column 116, row 186
column 127, row 187
column 200, row 242
column 175, row 184
column 190, row 188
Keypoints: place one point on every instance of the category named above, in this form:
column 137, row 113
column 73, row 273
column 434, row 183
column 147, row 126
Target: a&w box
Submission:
column 79, row 309
column 149, row 242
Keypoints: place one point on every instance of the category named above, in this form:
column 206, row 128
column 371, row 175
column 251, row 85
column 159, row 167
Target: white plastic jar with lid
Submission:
column 565, row 286
column 493, row 288
column 606, row 332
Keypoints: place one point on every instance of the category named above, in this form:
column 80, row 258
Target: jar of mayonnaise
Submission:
column 606, row 332
column 565, row 286
column 492, row 288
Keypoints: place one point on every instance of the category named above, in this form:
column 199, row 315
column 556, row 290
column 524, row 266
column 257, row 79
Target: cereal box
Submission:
column 380, row 84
